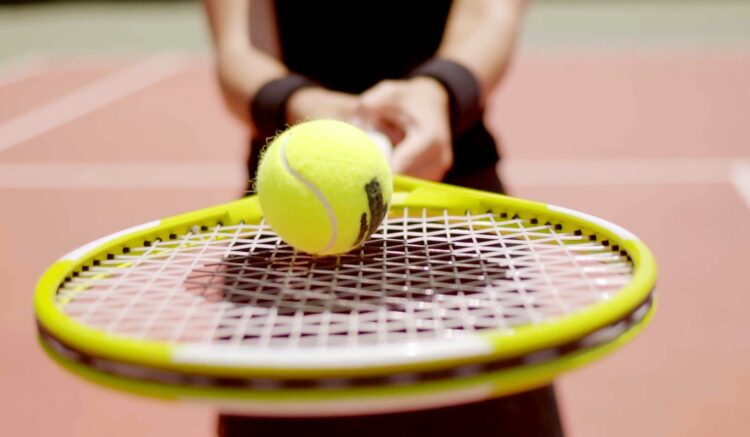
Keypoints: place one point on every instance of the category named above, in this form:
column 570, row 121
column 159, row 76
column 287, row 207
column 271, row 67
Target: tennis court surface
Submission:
column 642, row 121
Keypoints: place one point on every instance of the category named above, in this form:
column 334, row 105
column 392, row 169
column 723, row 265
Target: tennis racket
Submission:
column 461, row 295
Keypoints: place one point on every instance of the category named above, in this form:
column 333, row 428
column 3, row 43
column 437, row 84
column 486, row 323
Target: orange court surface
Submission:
column 637, row 113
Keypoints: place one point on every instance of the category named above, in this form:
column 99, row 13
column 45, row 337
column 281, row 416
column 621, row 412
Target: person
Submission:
column 421, row 73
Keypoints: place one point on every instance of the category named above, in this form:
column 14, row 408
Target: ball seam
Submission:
column 318, row 194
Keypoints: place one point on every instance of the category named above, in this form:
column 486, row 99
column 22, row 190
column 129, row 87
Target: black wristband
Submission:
column 463, row 91
column 268, row 107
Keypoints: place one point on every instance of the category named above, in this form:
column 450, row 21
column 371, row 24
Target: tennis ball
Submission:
column 324, row 186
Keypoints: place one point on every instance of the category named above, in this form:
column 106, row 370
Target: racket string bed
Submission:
column 421, row 275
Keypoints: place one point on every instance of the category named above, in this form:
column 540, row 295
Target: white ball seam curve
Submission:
column 319, row 194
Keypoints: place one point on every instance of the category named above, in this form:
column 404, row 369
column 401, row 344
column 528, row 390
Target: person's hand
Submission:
column 315, row 103
column 414, row 114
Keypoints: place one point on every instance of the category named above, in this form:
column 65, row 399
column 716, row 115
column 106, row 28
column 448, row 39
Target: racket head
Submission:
column 608, row 320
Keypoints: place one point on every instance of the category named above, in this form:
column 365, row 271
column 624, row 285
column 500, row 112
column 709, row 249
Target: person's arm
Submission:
column 244, row 69
column 479, row 36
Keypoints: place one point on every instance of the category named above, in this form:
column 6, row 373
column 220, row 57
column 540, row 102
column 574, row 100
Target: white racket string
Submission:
column 423, row 274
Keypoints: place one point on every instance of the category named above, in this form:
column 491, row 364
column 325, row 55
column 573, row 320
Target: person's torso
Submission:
column 351, row 45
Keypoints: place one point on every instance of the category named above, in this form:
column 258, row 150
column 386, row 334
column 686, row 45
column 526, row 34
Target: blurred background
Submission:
column 635, row 111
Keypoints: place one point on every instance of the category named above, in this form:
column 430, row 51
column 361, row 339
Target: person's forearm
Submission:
column 481, row 35
column 242, row 68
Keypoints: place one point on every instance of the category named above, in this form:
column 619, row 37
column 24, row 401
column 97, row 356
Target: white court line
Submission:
column 740, row 174
column 519, row 173
column 89, row 98
column 589, row 172
column 122, row 176
column 16, row 69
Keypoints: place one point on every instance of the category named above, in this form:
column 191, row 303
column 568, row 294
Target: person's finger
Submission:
column 383, row 112
column 395, row 133
column 385, row 92
column 406, row 157
column 421, row 156
column 384, row 101
column 386, row 119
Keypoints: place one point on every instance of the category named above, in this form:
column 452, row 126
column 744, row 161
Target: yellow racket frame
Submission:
column 408, row 192
column 503, row 382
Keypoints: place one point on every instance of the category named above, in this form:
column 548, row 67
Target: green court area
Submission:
column 119, row 27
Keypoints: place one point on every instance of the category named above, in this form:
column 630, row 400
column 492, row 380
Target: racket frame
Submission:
column 319, row 402
column 414, row 193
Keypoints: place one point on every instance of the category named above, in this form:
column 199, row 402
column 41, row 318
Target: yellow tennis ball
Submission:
column 324, row 186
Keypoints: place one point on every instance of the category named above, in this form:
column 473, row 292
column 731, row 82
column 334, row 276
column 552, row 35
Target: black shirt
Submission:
column 350, row 46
